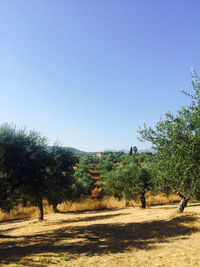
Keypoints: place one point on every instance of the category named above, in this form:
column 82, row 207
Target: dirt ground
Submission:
column 157, row 236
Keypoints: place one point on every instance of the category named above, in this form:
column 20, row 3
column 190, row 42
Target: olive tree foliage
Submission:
column 29, row 171
column 84, row 170
column 114, row 157
column 177, row 142
column 37, row 176
column 61, row 182
column 8, row 198
column 130, row 180
column 23, row 167
column 83, row 182
column 137, row 182
column 109, row 162
column 9, row 179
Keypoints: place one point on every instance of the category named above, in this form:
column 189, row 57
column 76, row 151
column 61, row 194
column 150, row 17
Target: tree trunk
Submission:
column 127, row 203
column 143, row 200
column 40, row 205
column 55, row 208
column 183, row 202
column 24, row 203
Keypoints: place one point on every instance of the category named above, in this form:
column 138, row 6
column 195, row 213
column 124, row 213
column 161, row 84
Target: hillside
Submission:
column 74, row 150
column 127, row 151
column 77, row 151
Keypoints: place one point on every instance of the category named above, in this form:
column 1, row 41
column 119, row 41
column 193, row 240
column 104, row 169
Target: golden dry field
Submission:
column 157, row 236
column 85, row 205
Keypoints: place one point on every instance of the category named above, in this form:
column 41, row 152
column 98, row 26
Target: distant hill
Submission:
column 72, row 149
column 127, row 151
column 77, row 151
column 147, row 150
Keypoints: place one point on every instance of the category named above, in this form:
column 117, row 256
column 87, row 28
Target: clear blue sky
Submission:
column 88, row 73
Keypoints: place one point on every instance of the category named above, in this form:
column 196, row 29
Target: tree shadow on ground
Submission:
column 98, row 239
column 15, row 220
column 170, row 207
column 90, row 218
column 174, row 203
column 173, row 206
column 91, row 211
column 2, row 232
column 194, row 204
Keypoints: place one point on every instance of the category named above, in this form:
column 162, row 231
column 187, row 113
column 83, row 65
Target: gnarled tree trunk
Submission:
column 143, row 200
column 24, row 203
column 40, row 205
column 55, row 208
column 183, row 202
column 127, row 203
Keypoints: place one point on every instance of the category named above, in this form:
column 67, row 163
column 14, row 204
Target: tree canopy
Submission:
column 131, row 179
column 177, row 141
column 30, row 172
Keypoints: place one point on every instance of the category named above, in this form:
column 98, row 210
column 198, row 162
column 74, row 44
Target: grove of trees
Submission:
column 131, row 179
column 32, row 171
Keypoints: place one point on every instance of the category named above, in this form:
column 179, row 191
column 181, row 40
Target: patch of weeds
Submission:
column 66, row 258
column 16, row 265
column 45, row 261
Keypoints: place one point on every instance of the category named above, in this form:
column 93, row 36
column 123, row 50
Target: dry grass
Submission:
column 156, row 236
column 161, row 199
column 92, row 204
column 25, row 212
column 84, row 205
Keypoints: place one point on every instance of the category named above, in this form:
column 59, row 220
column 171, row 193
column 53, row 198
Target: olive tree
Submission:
column 177, row 141
column 23, row 164
column 61, row 182
column 131, row 180
column 82, row 175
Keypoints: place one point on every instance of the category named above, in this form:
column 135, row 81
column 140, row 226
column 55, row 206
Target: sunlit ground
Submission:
column 157, row 236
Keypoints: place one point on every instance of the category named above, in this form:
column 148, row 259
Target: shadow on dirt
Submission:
column 97, row 239
column 91, row 211
column 90, row 218
column 174, row 206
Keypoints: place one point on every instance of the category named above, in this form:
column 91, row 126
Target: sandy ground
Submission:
column 157, row 236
